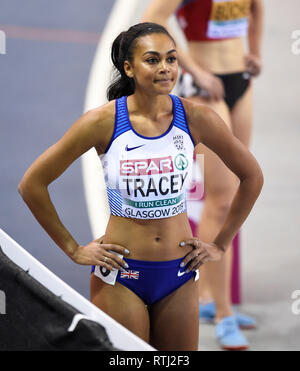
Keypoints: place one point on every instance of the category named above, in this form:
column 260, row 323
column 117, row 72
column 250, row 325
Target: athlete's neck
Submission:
column 150, row 106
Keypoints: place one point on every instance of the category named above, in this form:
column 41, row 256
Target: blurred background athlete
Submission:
column 217, row 71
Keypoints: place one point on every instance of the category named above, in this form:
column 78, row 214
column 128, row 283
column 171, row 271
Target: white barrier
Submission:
column 120, row 337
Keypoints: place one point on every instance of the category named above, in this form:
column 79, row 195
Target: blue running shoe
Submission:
column 245, row 322
column 229, row 335
column 207, row 313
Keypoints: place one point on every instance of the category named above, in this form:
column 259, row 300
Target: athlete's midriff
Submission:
column 152, row 240
column 221, row 57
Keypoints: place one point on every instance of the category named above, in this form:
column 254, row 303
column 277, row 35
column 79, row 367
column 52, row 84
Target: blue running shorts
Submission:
column 151, row 281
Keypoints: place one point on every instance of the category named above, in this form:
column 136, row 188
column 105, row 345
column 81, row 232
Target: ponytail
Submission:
column 122, row 84
column 122, row 50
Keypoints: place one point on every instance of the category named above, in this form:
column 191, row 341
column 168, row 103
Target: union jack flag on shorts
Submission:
column 130, row 274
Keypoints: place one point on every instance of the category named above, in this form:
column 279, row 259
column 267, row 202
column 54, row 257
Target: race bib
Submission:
column 228, row 18
column 105, row 274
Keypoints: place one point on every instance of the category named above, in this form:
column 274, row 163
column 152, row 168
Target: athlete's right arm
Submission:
column 93, row 129
column 159, row 12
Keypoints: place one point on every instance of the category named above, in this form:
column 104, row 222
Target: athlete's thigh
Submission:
column 218, row 179
column 121, row 304
column 175, row 320
column 241, row 117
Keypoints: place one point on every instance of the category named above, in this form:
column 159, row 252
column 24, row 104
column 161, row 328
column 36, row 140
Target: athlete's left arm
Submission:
column 256, row 19
column 208, row 128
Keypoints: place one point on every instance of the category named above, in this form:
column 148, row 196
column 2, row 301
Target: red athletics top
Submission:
column 208, row 20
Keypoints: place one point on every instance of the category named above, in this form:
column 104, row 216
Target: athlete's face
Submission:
column 154, row 67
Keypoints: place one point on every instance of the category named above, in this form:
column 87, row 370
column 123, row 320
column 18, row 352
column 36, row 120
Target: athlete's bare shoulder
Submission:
column 104, row 118
column 197, row 115
column 103, row 114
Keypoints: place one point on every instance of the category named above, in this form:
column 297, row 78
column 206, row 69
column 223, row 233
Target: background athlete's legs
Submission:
column 122, row 305
column 174, row 320
column 241, row 117
column 220, row 185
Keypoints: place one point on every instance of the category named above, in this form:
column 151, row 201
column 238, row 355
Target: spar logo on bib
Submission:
column 147, row 166
column 181, row 162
